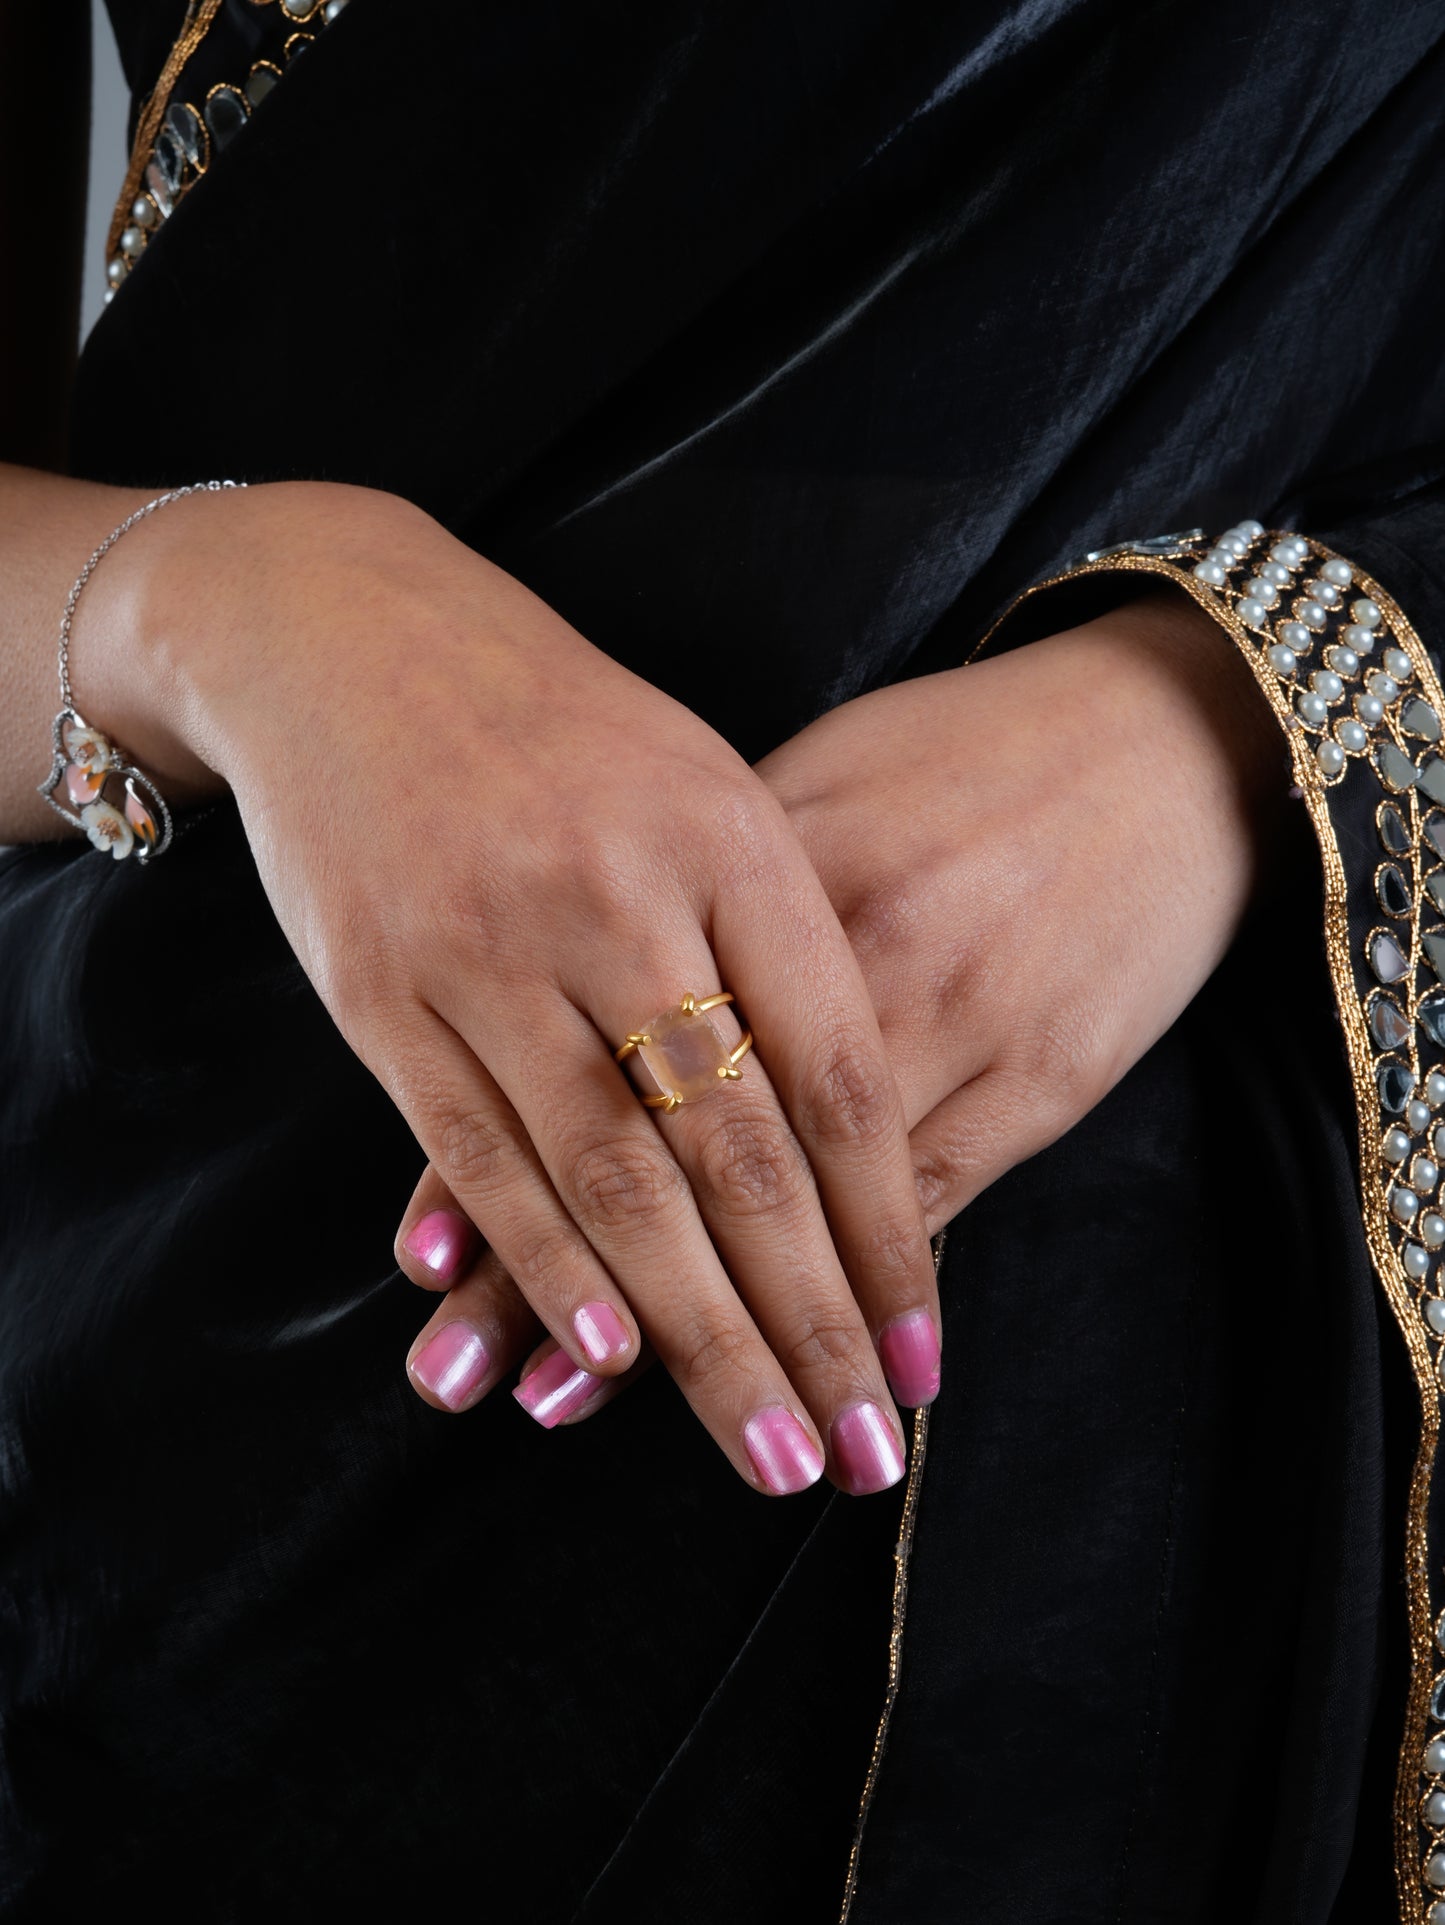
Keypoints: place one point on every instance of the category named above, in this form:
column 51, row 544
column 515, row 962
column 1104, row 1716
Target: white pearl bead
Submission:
column 1311, row 614
column 1404, row 1204
column 1435, row 1871
column 143, row 211
column 1436, row 1913
column 108, row 296
column 1281, row 659
column 1398, row 664
column 1254, row 529
column 115, row 270
column 1208, row 571
column 1338, row 572
column 1262, row 591
column 1358, row 638
column 1435, row 1317
column 1325, row 593
column 1226, row 557
column 1435, row 1758
column 1272, row 571
column 1331, row 758
column 1370, row 709
column 1432, row 1230
column 1232, row 543
column 1417, row 1264
column 1313, row 709
column 1365, row 613
column 1325, row 682
column 1435, row 1088
column 1352, row 736
column 132, row 241
column 1285, row 553
column 1417, row 1115
column 298, row 9
column 1344, row 661
column 1424, row 1174
column 1252, row 613
column 333, row 7
column 1394, row 1145
column 1294, row 635
column 1383, row 686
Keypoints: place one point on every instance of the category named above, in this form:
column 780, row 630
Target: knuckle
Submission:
column 894, row 1255
column 540, row 1254
column 821, row 1344
column 751, row 1168
column 476, row 1151
column 852, row 1099
column 706, row 1347
column 620, row 1186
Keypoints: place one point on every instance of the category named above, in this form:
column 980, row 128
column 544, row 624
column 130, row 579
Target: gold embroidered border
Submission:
column 1351, row 1000
column 902, row 1556
column 199, row 16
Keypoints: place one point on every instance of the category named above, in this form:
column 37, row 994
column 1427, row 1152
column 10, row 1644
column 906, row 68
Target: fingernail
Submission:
column 441, row 1240
column 868, row 1455
column 555, row 1390
column 909, row 1349
column 783, row 1454
column 452, row 1364
column 600, row 1331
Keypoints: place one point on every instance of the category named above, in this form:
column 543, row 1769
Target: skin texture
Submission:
column 856, row 893
column 484, row 961
column 978, row 833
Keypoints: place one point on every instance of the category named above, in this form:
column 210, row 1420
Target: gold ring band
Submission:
column 684, row 1054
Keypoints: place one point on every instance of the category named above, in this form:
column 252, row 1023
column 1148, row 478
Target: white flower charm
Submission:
column 108, row 829
column 86, row 747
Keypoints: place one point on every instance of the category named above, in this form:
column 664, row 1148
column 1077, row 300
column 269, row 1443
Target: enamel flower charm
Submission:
column 108, row 829
column 130, row 820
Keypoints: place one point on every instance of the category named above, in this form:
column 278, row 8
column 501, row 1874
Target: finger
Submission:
column 757, row 1197
column 626, row 1192
column 487, row 1172
column 436, row 1241
column 558, row 1394
column 800, row 986
column 473, row 1338
column 974, row 1136
column 602, row 1172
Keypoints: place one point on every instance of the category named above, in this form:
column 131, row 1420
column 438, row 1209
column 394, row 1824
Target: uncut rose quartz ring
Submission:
column 684, row 1054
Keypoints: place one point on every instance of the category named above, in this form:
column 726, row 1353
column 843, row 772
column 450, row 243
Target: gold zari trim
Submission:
column 1354, row 990
column 902, row 1555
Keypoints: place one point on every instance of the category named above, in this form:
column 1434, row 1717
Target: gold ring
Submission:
column 684, row 1054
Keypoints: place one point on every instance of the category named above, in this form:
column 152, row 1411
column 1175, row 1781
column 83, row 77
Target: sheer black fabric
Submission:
column 803, row 338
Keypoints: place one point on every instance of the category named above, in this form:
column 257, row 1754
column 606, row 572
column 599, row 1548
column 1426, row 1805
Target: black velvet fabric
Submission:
column 804, row 336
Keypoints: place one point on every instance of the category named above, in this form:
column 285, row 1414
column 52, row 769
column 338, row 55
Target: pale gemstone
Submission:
column 684, row 1054
column 81, row 785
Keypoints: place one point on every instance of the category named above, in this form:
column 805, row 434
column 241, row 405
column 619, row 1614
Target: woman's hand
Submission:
column 496, row 852
column 1038, row 861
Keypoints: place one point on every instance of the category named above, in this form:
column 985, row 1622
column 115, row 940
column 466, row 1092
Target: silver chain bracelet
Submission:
column 132, row 818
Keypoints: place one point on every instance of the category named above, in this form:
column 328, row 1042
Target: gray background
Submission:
column 108, row 156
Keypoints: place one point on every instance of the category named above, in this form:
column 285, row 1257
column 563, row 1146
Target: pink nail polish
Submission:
column 909, row 1349
column 441, row 1240
column 555, row 1390
column 783, row 1454
column 868, row 1455
column 600, row 1331
column 453, row 1364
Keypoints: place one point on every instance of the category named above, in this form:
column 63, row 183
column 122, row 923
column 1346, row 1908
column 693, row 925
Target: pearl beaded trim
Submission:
column 1360, row 703
column 178, row 144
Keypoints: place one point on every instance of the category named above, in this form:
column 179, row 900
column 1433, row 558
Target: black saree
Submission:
column 808, row 338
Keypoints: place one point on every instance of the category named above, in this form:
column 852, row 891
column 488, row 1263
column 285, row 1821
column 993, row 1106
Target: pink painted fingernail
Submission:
column 909, row 1349
column 555, row 1390
column 600, row 1331
column 783, row 1454
column 442, row 1240
column 453, row 1364
column 868, row 1455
